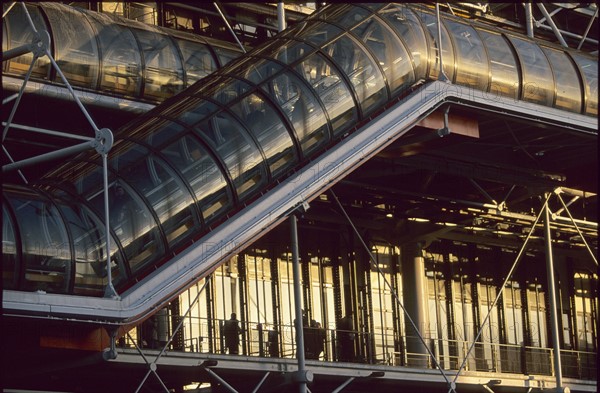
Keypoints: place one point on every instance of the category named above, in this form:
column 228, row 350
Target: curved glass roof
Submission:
column 179, row 170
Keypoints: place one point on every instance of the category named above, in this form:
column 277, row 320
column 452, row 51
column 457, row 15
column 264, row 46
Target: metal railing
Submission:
column 267, row 340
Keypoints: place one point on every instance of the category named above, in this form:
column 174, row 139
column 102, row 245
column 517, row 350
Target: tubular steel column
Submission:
column 298, row 302
column 552, row 296
column 413, row 281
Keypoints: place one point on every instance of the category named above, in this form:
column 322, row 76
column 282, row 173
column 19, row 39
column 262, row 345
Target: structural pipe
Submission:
column 49, row 156
column 281, row 25
column 587, row 30
column 49, row 132
column 298, row 303
column 552, row 295
column 229, row 27
column 552, row 25
column 16, row 52
column 528, row 19
column 442, row 76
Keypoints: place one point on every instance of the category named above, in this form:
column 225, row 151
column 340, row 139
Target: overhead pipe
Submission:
column 528, row 19
column 552, row 25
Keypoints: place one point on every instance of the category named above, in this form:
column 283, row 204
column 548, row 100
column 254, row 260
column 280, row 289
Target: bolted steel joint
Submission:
column 41, row 42
column 103, row 141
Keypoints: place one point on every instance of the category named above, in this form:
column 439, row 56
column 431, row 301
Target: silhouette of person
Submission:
column 273, row 343
column 345, row 338
column 231, row 332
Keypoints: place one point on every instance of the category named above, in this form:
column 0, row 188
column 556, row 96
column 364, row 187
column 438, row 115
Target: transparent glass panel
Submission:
column 237, row 151
column 471, row 59
column 347, row 16
column 20, row 33
column 190, row 110
column 261, row 70
column 589, row 69
column 269, row 130
column 198, row 61
column 169, row 198
column 362, row 71
column 503, row 65
column 318, row 33
column 390, row 53
column 75, row 47
column 162, row 65
column 203, row 175
column 225, row 90
column 156, row 131
column 302, row 109
column 131, row 219
column 289, row 51
column 89, row 244
column 430, row 22
column 226, row 55
column 9, row 250
column 410, row 30
column 568, row 87
column 538, row 81
column 332, row 91
column 45, row 244
column 121, row 62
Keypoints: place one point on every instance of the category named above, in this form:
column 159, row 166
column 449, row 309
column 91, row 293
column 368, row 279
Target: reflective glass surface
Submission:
column 237, row 150
column 318, row 33
column 21, row 34
column 45, row 244
column 269, row 131
column 410, row 31
column 332, row 91
column 75, row 47
column 471, row 57
column 202, row 173
column 503, row 65
column 364, row 74
column 589, row 70
column 538, row 81
column 163, row 71
column 302, row 108
column 191, row 110
column 260, row 70
column 198, row 62
column 389, row 52
column 430, row 22
column 288, row 51
column 121, row 60
column 9, row 250
column 568, row 88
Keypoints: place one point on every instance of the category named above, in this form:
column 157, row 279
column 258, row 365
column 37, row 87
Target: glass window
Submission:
column 503, row 65
column 45, row 244
column 224, row 89
column 169, row 198
column 409, row 29
column 121, row 62
column 163, row 71
column 332, row 91
column 237, row 151
column 568, row 88
column 203, row 175
column 347, row 15
column 269, row 130
column 226, row 55
column 362, row 71
column 430, row 22
column 302, row 109
column 198, row 61
column 471, row 58
column 89, row 245
column 390, row 53
column 190, row 110
column 9, row 250
column 155, row 131
column 589, row 70
column 131, row 220
column 20, row 33
column 538, row 82
column 288, row 51
column 318, row 33
column 260, row 70
column 75, row 47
